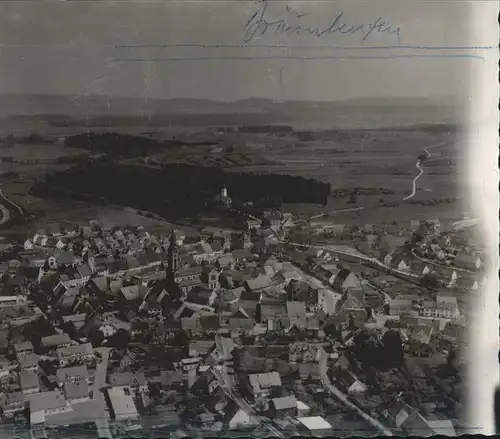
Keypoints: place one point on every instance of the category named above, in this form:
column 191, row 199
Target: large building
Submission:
column 122, row 403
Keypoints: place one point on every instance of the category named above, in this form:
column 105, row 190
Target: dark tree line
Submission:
column 176, row 189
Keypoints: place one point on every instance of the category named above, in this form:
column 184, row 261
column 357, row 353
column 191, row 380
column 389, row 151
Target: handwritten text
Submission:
column 292, row 22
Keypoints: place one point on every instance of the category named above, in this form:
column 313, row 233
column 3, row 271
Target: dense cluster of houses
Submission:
column 237, row 320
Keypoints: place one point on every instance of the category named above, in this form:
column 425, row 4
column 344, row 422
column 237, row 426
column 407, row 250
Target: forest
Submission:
column 176, row 190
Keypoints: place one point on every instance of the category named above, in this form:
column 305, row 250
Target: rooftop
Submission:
column 46, row 401
column 314, row 423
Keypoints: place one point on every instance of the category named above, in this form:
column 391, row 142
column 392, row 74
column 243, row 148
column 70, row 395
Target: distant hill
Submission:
column 370, row 113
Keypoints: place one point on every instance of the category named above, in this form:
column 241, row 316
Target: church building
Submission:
column 222, row 199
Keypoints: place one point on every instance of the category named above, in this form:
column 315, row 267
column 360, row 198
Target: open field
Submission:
column 379, row 162
column 348, row 145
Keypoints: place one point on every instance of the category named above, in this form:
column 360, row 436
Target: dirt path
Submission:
column 420, row 167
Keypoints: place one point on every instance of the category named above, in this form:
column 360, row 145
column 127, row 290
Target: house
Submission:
column 302, row 409
column 242, row 255
column 209, row 324
column 442, row 427
column 260, row 384
column 77, row 319
column 206, row 252
column 122, row 404
column 135, row 380
column 409, row 420
column 133, row 292
column 76, row 391
column 65, row 257
column 236, row 418
column 419, row 267
column 228, row 298
column 305, row 352
column 241, row 321
column 46, row 403
column 139, row 328
column 284, row 406
column 29, row 382
column 314, row 426
column 74, row 373
column 253, row 224
column 82, row 353
column 170, row 378
column 200, row 348
column 343, row 280
column 249, row 301
column 350, row 383
column 25, row 347
column 28, row 362
column 357, row 316
column 274, row 220
column 206, row 383
column 468, row 261
column 17, row 315
column 221, row 350
column 453, row 279
column 226, row 261
column 272, row 311
column 84, row 271
column 400, row 307
column 295, row 310
column 447, row 306
column 55, row 341
column 400, row 262
column 11, row 403
column 259, row 283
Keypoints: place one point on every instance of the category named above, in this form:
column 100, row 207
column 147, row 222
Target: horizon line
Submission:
column 304, row 58
column 291, row 46
column 42, row 93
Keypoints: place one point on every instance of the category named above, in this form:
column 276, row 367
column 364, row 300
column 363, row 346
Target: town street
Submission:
column 102, row 424
column 342, row 397
column 247, row 408
column 327, row 298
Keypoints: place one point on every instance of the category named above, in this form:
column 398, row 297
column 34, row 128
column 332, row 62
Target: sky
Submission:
column 69, row 47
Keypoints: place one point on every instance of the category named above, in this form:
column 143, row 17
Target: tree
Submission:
column 119, row 340
column 393, row 347
column 70, row 328
column 181, row 339
column 430, row 280
column 96, row 337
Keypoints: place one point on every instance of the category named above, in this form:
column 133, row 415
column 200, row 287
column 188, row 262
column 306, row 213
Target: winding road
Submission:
column 420, row 167
column 5, row 211
column 414, row 190
column 5, row 214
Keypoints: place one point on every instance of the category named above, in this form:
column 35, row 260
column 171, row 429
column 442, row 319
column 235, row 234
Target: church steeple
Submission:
column 172, row 258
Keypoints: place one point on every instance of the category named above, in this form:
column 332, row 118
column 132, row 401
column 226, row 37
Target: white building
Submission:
column 123, row 404
column 46, row 403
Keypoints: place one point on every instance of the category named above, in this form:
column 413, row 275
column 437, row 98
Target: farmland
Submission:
column 369, row 164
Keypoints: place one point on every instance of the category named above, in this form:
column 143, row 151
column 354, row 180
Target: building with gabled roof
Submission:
column 260, row 384
column 46, row 403
column 283, row 406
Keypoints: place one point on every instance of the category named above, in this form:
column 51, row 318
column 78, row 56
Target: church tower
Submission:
column 172, row 259
column 223, row 192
